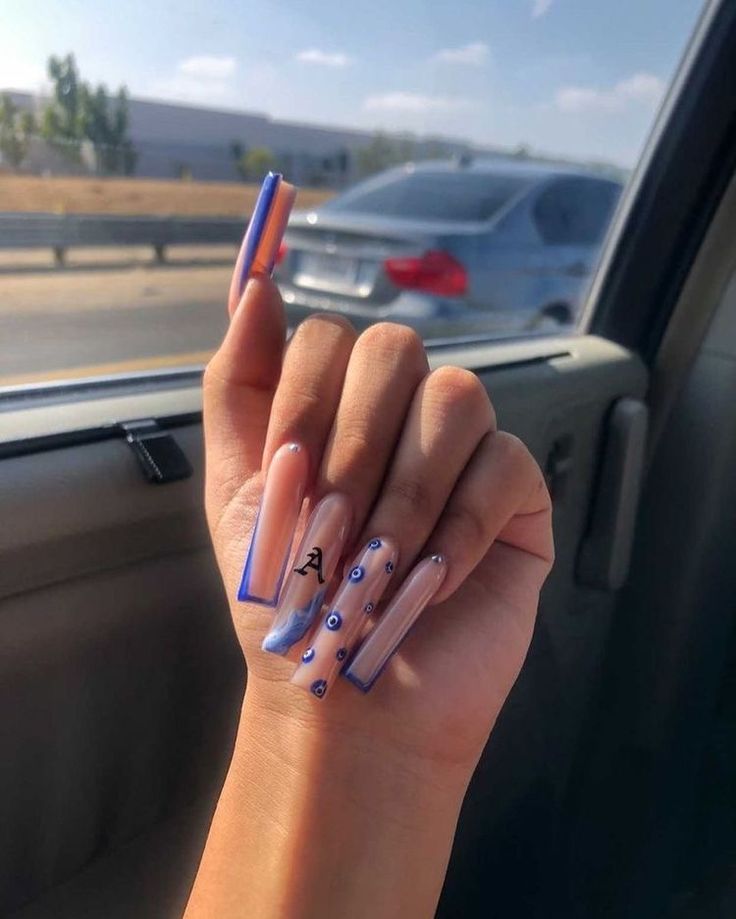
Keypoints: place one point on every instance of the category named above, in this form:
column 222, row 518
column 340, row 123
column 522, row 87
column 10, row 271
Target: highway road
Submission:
column 105, row 316
column 112, row 311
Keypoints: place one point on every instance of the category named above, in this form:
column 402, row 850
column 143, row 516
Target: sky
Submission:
column 578, row 78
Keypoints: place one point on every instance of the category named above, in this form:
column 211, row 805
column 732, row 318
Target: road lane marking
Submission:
column 156, row 362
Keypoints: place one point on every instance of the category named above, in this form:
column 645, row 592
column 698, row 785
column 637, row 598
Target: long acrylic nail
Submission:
column 273, row 533
column 399, row 616
column 358, row 595
column 314, row 565
column 263, row 234
column 252, row 237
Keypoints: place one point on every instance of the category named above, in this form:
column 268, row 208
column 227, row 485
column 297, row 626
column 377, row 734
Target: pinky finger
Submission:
column 501, row 496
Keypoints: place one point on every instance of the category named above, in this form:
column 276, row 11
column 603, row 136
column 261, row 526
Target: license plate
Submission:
column 327, row 269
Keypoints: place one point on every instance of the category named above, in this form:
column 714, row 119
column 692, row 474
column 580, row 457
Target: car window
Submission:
column 431, row 195
column 445, row 155
column 575, row 211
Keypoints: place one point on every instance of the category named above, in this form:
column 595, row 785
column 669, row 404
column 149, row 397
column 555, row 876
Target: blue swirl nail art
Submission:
column 369, row 607
column 374, row 544
column 333, row 621
column 357, row 574
column 342, row 653
column 278, row 641
column 308, row 656
column 318, row 688
column 389, row 567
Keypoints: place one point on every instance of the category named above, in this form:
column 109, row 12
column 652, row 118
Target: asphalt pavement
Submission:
column 112, row 311
column 108, row 312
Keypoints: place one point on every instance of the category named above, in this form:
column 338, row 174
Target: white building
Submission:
column 171, row 140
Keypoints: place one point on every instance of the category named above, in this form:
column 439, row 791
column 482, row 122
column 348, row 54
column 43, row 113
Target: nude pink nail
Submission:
column 310, row 576
column 399, row 616
column 273, row 533
column 358, row 596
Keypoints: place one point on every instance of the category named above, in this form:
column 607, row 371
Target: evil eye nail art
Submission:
column 358, row 595
column 333, row 621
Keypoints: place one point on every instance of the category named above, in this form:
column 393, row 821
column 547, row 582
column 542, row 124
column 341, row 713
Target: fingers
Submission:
column 500, row 497
column 449, row 415
column 387, row 364
column 238, row 389
column 311, row 384
column 497, row 526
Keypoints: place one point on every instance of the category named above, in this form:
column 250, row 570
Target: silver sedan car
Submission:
column 493, row 246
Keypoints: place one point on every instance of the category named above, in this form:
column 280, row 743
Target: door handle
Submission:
column 605, row 552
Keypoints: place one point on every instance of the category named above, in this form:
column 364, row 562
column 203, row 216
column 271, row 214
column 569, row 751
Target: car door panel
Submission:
column 121, row 677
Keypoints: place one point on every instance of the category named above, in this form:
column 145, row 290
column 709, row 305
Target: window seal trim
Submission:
column 91, row 435
column 30, row 395
column 527, row 352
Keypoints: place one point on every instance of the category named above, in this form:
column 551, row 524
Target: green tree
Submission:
column 253, row 164
column 77, row 112
column 16, row 128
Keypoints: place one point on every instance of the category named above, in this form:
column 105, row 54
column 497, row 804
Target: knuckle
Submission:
column 306, row 401
column 320, row 325
column 352, row 437
column 456, row 388
column 467, row 525
column 410, row 495
column 514, row 456
column 392, row 337
column 212, row 375
column 511, row 451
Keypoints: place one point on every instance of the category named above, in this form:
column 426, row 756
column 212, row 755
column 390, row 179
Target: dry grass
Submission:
column 134, row 196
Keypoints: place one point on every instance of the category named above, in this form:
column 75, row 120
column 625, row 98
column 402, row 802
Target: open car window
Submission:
column 126, row 180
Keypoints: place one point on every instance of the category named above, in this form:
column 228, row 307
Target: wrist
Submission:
column 318, row 820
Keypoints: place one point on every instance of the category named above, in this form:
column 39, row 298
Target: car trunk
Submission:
column 345, row 255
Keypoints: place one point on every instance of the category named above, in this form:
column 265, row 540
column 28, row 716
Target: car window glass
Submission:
column 575, row 211
column 446, row 157
column 430, row 195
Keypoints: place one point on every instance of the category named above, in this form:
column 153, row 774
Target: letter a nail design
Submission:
column 304, row 593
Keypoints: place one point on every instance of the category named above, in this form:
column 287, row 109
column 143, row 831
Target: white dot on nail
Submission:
column 294, row 448
column 438, row 559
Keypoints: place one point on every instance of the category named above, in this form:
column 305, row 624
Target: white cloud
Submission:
column 201, row 78
column 401, row 101
column 644, row 89
column 323, row 58
column 475, row 54
column 540, row 8
column 208, row 67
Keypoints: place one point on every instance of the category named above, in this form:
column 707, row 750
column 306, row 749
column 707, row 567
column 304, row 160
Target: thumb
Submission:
column 238, row 388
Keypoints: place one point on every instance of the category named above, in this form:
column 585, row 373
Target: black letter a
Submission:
column 314, row 561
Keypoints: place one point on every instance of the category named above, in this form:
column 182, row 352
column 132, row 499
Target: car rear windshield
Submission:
column 456, row 196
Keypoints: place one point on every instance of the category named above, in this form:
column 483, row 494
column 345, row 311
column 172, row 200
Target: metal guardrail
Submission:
column 60, row 232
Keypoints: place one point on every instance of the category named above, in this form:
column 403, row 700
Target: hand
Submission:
column 347, row 805
column 420, row 459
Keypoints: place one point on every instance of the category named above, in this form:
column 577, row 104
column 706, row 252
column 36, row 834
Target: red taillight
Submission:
column 434, row 272
column 281, row 253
